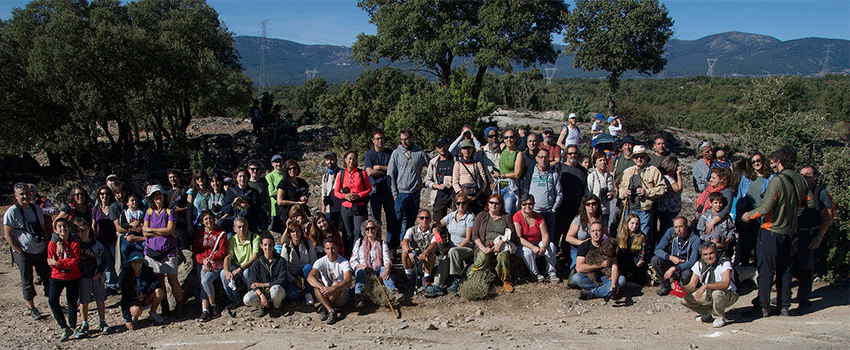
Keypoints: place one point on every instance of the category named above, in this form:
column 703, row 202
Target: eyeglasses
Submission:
column 369, row 228
column 757, row 160
column 572, row 153
column 495, row 203
column 253, row 169
column 509, row 137
column 461, row 203
column 588, row 204
column 425, row 218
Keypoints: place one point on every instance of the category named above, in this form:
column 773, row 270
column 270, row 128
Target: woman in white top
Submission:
column 458, row 224
column 570, row 134
column 601, row 183
column 300, row 254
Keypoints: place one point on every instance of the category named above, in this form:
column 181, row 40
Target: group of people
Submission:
column 515, row 202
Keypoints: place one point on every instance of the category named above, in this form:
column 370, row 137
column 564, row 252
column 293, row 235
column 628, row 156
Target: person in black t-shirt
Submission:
column 439, row 171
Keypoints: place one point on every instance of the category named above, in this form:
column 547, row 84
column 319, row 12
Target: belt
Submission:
column 810, row 231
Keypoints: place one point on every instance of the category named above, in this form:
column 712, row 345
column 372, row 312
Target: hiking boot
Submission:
column 66, row 334
column 609, row 295
column 157, row 318
column 308, row 298
column 719, row 322
column 205, row 316
column 784, row 311
column 705, row 318
column 35, row 314
column 585, row 295
column 433, row 292
column 509, row 287
column 103, row 326
column 323, row 314
column 358, row 301
column 397, row 296
column 454, row 286
column 332, row 317
column 663, row 290
column 82, row 328
column 261, row 311
column 215, row 311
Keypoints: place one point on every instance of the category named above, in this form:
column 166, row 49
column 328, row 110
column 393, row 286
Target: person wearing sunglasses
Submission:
column 493, row 248
column 511, row 167
column 458, row 226
column 420, row 246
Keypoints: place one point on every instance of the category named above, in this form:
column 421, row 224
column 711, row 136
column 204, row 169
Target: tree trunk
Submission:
column 54, row 161
column 444, row 71
column 613, row 86
column 476, row 85
column 104, row 124
column 158, row 129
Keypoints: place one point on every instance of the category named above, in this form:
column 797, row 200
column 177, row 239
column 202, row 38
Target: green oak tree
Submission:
column 618, row 36
column 431, row 34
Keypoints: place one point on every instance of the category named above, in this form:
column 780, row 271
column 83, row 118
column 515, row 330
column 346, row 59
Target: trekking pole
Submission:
column 390, row 302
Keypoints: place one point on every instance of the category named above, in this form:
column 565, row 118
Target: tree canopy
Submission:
column 618, row 36
column 431, row 34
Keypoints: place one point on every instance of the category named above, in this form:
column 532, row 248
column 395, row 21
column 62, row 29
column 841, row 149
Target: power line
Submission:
column 826, row 58
column 550, row 72
column 264, row 50
column 311, row 73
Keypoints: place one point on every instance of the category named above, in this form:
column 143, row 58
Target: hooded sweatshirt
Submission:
column 405, row 169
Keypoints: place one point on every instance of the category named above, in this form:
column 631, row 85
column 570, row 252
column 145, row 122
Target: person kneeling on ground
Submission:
column 675, row 254
column 141, row 289
column 716, row 291
column 600, row 286
column 335, row 274
column 266, row 277
column 371, row 255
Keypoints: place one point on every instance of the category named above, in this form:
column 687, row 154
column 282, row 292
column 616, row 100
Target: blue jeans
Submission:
column 382, row 198
column 406, row 208
column 233, row 294
column 645, row 219
column 573, row 254
column 292, row 291
column 360, row 279
column 510, row 200
column 109, row 260
column 599, row 291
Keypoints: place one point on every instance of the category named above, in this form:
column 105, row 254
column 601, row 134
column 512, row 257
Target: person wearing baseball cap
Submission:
column 272, row 180
column 641, row 185
column 439, row 177
column 141, row 289
column 614, row 125
column 570, row 134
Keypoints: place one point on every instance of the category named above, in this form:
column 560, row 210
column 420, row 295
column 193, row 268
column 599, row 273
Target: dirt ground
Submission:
column 545, row 316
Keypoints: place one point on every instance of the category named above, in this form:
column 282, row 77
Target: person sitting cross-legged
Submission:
column 266, row 276
column 589, row 275
column 710, row 290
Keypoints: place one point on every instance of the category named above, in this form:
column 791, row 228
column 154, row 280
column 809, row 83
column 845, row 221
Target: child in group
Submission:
column 724, row 232
column 92, row 279
column 63, row 257
column 596, row 128
column 132, row 218
column 632, row 250
column 141, row 290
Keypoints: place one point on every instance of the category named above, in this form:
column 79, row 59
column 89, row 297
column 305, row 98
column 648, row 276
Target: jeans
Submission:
column 531, row 258
column 510, row 199
column 26, row 262
column 292, row 291
column 72, row 296
column 661, row 265
column 207, row 280
column 360, row 279
column 109, row 260
column 549, row 219
column 599, row 291
column 406, row 208
column 382, row 198
column 233, row 294
column 645, row 217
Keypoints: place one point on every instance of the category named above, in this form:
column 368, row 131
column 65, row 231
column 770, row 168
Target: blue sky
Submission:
column 338, row 22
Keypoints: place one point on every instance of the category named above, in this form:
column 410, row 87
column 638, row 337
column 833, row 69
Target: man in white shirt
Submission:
column 22, row 227
column 330, row 278
column 711, row 289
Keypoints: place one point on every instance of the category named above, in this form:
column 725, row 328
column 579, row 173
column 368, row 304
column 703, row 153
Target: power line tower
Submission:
column 711, row 62
column 311, row 73
column 264, row 51
column 550, row 72
column 826, row 58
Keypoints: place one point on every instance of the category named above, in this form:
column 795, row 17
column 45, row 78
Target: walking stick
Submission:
column 390, row 302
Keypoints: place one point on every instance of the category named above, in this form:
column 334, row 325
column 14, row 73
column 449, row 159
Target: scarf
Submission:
column 371, row 253
column 706, row 275
column 703, row 197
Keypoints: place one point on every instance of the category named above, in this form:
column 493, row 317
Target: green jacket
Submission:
column 786, row 192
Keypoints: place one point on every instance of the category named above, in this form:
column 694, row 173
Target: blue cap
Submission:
column 600, row 116
column 611, row 118
column 136, row 256
column 488, row 130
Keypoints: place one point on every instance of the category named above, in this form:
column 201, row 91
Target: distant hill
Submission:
column 737, row 54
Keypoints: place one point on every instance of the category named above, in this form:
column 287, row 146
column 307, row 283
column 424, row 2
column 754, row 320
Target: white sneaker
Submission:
column 540, row 278
column 719, row 322
column 554, row 279
column 309, row 299
column 705, row 318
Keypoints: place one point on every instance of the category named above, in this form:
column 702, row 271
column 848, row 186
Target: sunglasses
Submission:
column 588, row 204
column 509, row 137
column 103, row 193
column 572, row 153
column 425, row 217
column 495, row 203
column 369, row 228
column 491, row 136
column 757, row 160
column 253, row 169
column 527, row 204
column 461, row 203
column 293, row 168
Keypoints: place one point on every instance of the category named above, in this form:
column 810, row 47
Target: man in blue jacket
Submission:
column 675, row 254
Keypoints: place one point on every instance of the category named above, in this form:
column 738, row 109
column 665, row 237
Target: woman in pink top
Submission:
column 534, row 236
column 353, row 188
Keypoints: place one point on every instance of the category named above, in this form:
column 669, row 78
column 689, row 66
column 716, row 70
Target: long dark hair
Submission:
column 205, row 187
column 740, row 168
column 86, row 197
column 583, row 219
column 286, row 165
column 110, row 197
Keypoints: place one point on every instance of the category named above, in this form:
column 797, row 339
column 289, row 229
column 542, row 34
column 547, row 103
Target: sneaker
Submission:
column 426, row 281
column 554, row 279
column 332, row 316
column 157, row 318
column 205, row 316
column 454, row 286
column 433, row 291
column 540, row 278
column 309, row 299
column 66, row 334
column 719, row 322
column 323, row 314
column 509, row 287
column 585, row 295
column 396, row 295
column 261, row 311
column 609, row 295
column 78, row 335
column 358, row 301
column 705, row 318
column 765, row 312
column 215, row 311
column 35, row 314
column 784, row 311
column 663, row 290
column 103, row 326
column 82, row 328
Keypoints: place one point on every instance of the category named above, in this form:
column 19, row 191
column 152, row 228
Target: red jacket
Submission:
column 67, row 266
column 203, row 247
column 357, row 182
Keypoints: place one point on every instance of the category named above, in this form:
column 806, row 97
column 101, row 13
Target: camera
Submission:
column 345, row 190
column 603, row 194
column 467, row 134
column 37, row 238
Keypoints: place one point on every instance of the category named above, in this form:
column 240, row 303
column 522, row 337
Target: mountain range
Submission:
column 734, row 54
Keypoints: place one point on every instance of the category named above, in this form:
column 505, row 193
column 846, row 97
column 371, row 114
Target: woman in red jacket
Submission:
column 63, row 257
column 210, row 248
column 353, row 188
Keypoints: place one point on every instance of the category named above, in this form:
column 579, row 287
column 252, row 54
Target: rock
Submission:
column 306, row 319
column 331, row 346
column 403, row 327
column 231, row 322
column 479, row 312
column 649, row 312
column 431, row 327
